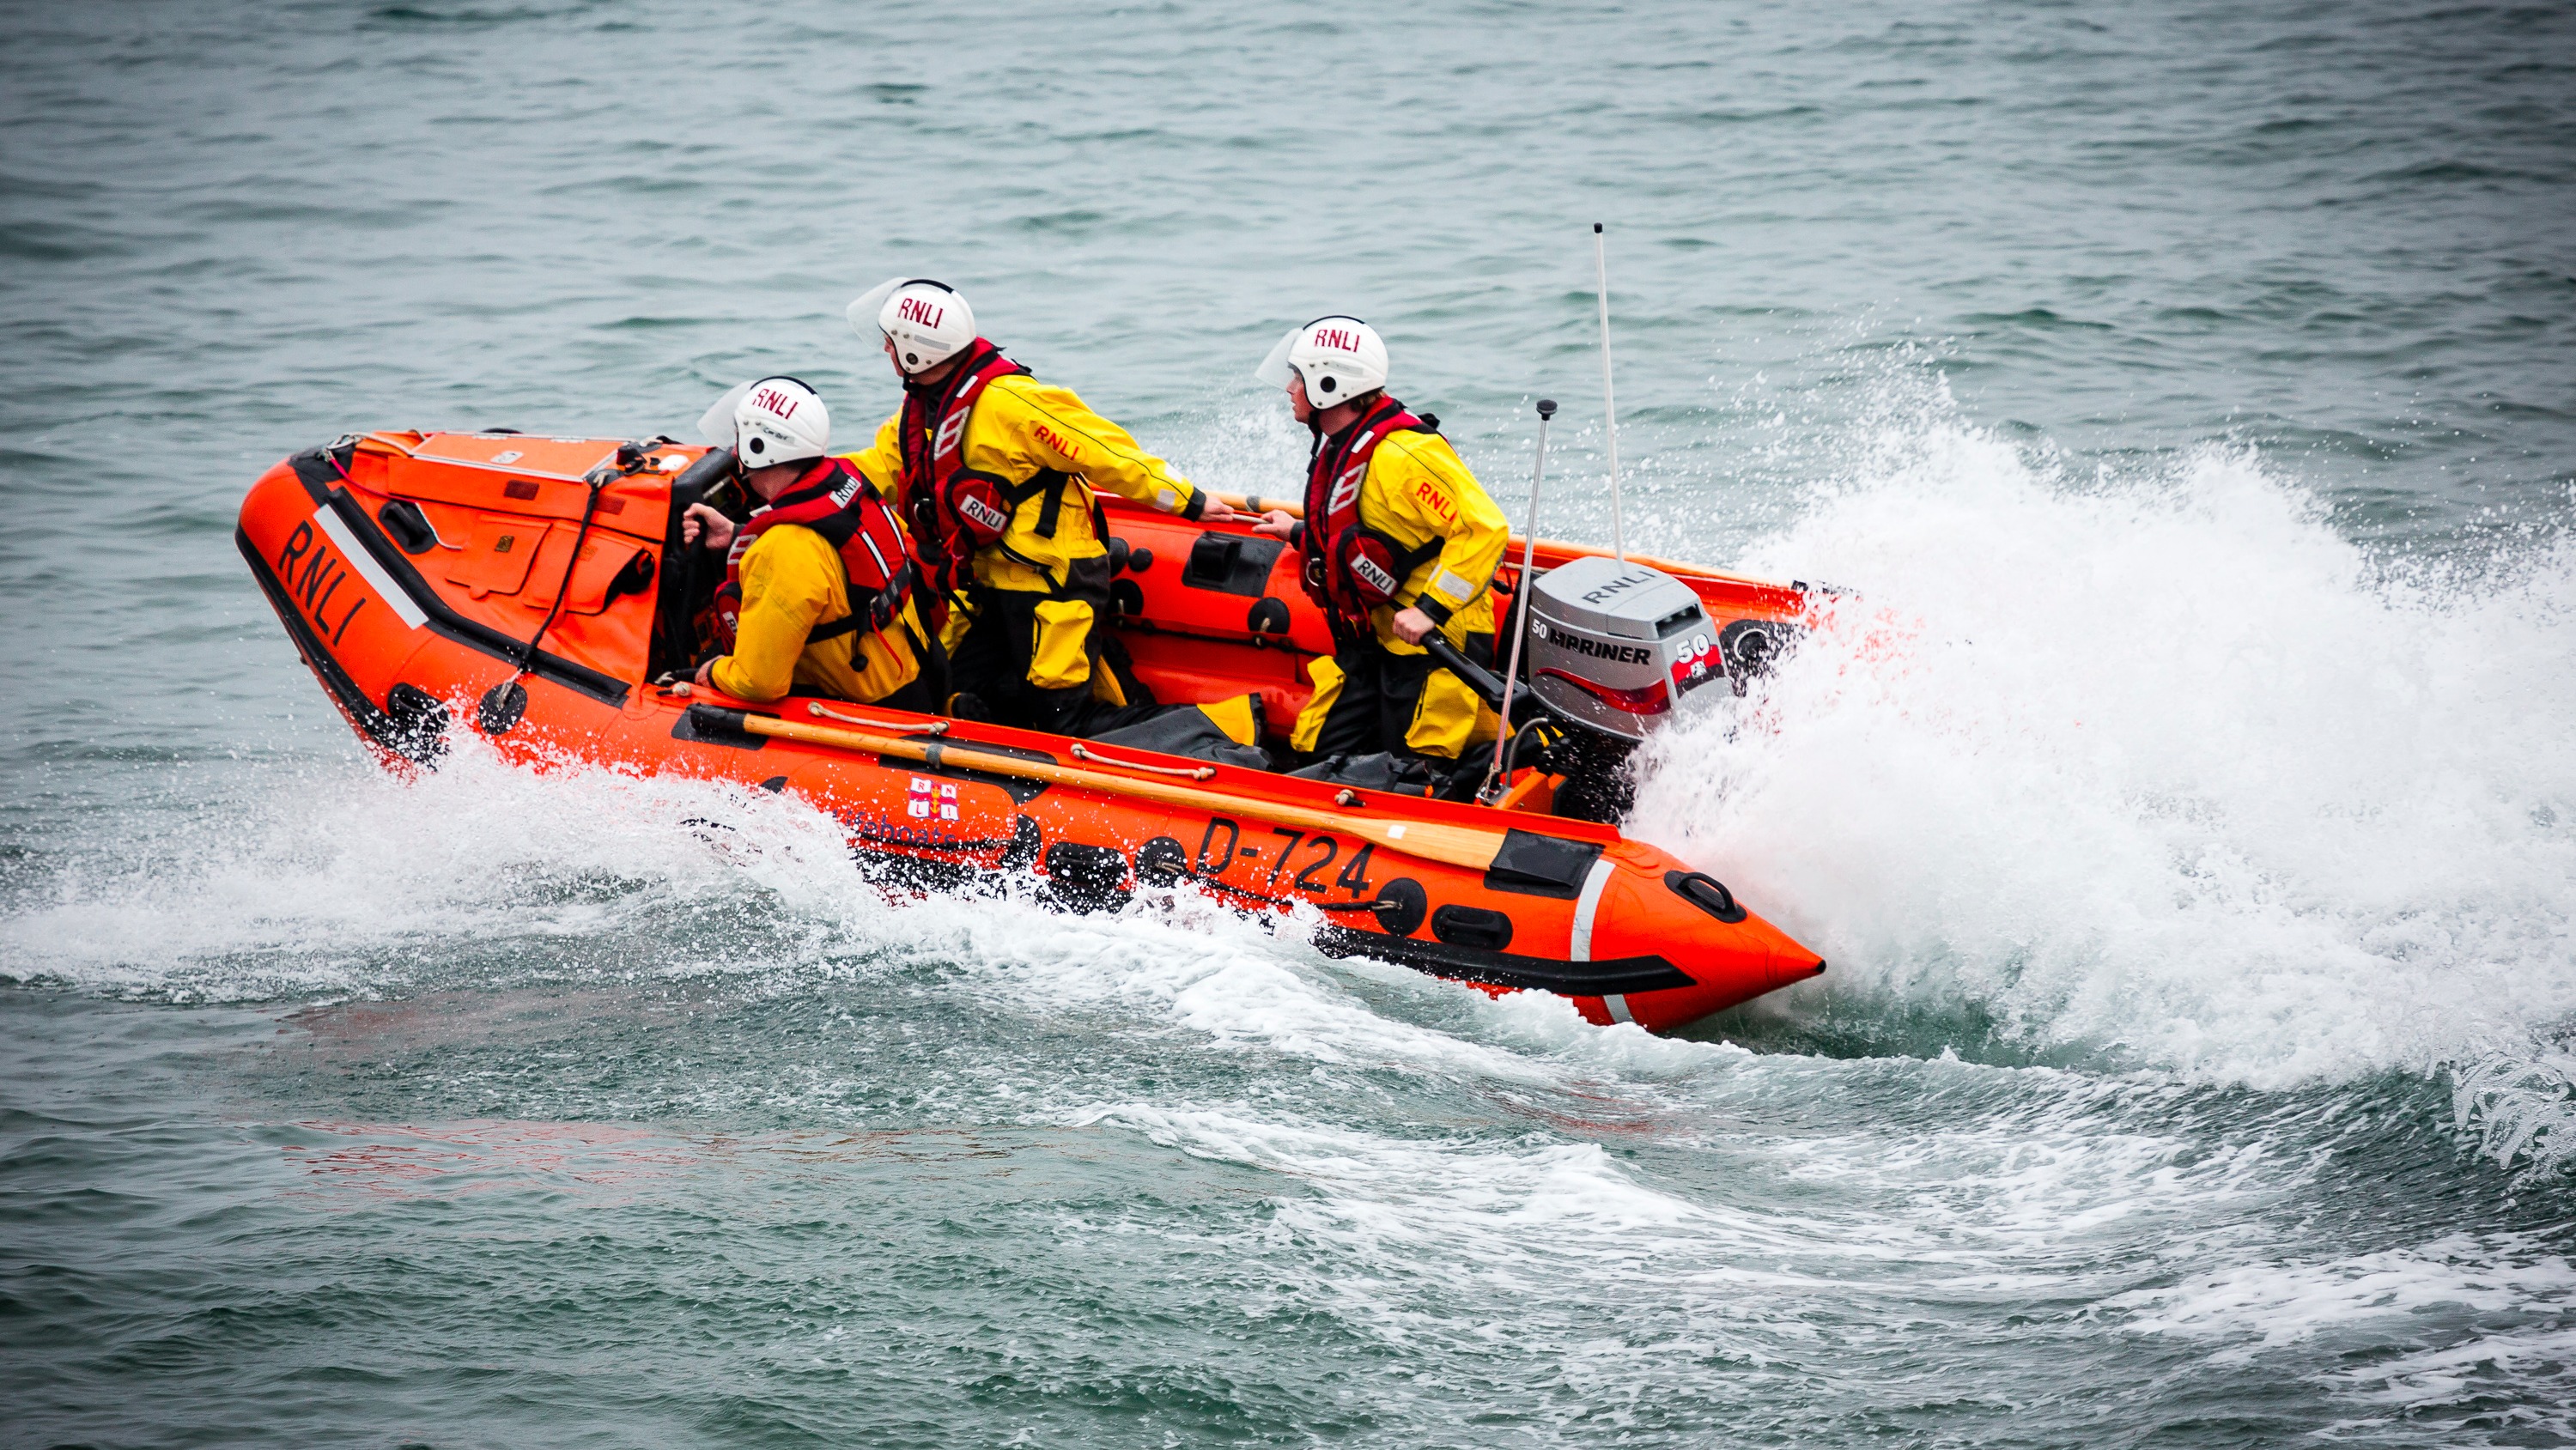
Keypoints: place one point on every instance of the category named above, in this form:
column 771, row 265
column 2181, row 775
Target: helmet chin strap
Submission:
column 918, row 378
column 1315, row 414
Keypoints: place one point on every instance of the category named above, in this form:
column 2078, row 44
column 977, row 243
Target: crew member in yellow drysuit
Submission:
column 818, row 591
column 995, row 473
column 1398, row 540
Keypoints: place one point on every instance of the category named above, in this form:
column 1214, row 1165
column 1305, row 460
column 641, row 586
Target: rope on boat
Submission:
column 934, row 727
column 1084, row 752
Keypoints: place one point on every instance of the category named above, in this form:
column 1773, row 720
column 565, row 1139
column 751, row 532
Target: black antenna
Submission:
column 1495, row 784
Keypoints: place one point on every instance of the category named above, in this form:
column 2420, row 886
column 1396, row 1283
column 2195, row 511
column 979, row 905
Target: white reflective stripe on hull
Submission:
column 1579, row 947
column 368, row 569
column 1618, row 1009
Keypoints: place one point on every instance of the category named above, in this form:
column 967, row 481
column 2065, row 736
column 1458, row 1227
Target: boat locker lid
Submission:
column 1602, row 596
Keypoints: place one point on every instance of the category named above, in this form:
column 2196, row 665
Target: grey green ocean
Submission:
column 2186, row 389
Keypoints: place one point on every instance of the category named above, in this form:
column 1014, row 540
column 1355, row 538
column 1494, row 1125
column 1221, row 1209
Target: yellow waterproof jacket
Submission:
column 792, row 581
column 1418, row 489
column 1020, row 428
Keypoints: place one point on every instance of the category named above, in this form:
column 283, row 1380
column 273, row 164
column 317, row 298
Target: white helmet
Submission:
column 779, row 420
column 927, row 321
column 1339, row 357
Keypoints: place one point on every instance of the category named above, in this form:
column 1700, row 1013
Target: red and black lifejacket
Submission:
column 1350, row 569
column 836, row 502
column 955, row 510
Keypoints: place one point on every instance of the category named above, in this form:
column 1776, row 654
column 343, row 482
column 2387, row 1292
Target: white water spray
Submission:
column 2159, row 768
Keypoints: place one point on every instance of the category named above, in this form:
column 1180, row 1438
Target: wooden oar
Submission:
column 1470, row 846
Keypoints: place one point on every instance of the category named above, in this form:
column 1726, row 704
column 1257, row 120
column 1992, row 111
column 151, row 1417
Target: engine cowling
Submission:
column 1617, row 645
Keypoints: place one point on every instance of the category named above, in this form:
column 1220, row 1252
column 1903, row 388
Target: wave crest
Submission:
column 2159, row 769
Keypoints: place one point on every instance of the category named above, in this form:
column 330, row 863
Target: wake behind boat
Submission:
column 536, row 589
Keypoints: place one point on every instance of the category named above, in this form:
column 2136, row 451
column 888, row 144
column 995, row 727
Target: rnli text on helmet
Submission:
column 1337, row 337
column 920, row 311
column 775, row 401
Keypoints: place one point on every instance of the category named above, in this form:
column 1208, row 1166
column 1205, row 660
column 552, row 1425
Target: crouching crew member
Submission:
column 996, row 473
column 1398, row 540
column 819, row 589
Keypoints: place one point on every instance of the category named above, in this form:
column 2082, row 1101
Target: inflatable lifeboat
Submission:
column 534, row 590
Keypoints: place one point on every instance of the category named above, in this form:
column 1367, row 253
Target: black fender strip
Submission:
column 1618, row 976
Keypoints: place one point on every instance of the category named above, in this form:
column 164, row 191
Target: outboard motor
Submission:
column 1613, row 646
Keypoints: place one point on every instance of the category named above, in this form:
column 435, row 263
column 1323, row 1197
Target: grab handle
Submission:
column 713, row 467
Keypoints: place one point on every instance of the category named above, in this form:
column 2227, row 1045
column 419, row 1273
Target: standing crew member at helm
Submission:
column 1398, row 540
column 818, row 591
column 996, row 473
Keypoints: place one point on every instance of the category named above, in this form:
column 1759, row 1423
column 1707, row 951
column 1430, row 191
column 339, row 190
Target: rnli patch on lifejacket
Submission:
column 933, row 426
column 1349, row 570
column 1371, row 574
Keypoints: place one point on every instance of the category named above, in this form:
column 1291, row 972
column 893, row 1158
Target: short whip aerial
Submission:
column 1609, row 400
column 1516, row 622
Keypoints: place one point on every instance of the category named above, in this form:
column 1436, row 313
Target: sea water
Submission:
column 2184, row 789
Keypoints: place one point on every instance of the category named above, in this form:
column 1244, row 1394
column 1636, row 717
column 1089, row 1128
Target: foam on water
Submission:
column 2157, row 765
column 2101, row 1211
column 2484, row 1382
column 350, row 879
column 1474, row 1188
column 2361, row 1303
column 1709, row 1206
column 332, row 879
column 2252, row 1308
column 1246, row 987
column 329, row 876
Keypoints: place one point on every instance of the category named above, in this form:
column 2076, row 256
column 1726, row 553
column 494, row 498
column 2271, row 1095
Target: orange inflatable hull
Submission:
column 412, row 569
